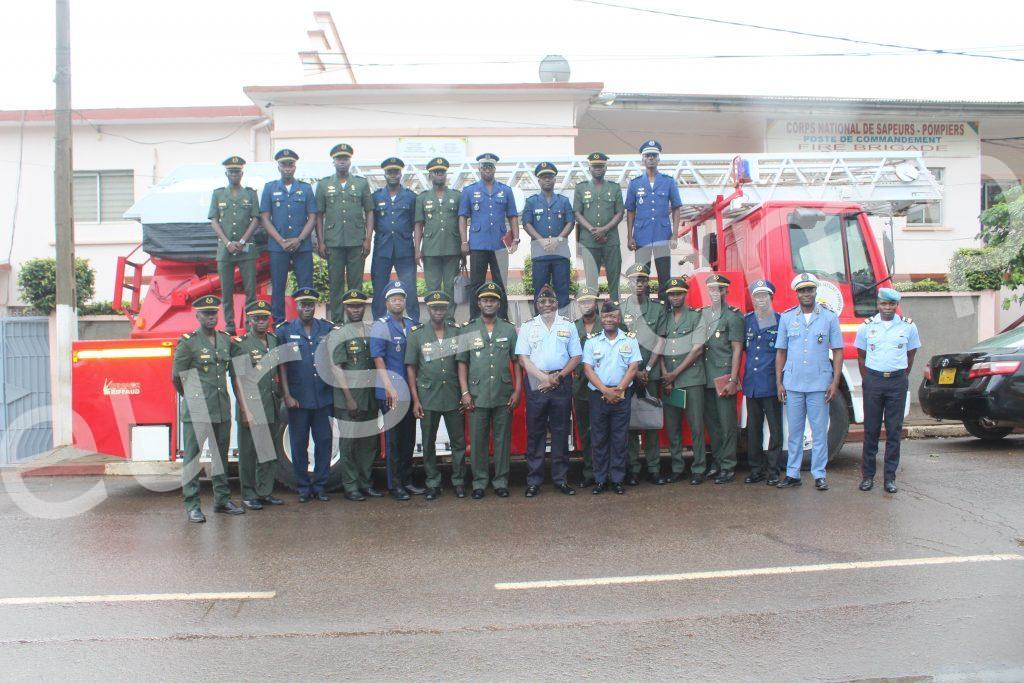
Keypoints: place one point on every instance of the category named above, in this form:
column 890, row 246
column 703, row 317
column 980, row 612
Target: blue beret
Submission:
column 888, row 294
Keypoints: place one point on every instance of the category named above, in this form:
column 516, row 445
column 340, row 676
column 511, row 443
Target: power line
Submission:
column 804, row 34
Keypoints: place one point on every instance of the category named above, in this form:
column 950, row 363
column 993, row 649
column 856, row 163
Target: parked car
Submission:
column 983, row 387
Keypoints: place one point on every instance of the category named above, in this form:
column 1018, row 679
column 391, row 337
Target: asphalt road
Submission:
column 407, row 590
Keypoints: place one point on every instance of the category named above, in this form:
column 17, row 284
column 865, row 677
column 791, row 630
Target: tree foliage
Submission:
column 37, row 280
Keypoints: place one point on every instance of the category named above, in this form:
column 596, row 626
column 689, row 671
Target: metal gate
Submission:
column 25, row 410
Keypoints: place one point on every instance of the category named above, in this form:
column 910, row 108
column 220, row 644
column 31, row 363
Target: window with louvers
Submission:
column 103, row 196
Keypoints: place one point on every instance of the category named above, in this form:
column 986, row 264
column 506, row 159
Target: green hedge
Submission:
column 37, row 280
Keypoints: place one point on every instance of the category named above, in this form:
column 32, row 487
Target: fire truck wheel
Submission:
column 286, row 473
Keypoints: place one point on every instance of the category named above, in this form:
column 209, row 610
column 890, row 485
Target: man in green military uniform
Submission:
column 344, row 227
column 234, row 215
column 355, row 404
column 491, row 389
column 436, row 239
column 431, row 363
column 259, row 409
column 587, row 326
column 645, row 318
column 723, row 346
column 199, row 374
column 683, row 380
column 599, row 210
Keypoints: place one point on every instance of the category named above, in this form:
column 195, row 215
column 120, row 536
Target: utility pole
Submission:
column 66, row 329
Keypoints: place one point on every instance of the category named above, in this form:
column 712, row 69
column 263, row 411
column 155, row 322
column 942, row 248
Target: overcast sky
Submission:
column 141, row 53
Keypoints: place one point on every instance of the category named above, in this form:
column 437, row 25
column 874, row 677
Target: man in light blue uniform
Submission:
column 761, row 329
column 886, row 345
column 652, row 213
column 610, row 362
column 548, row 218
column 806, row 380
column 394, row 208
column 484, row 209
column 549, row 351
column 288, row 215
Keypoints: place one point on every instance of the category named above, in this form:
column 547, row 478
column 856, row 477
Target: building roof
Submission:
column 134, row 114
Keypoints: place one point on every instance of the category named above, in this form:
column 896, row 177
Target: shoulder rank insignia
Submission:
column 416, row 327
column 908, row 320
column 187, row 335
column 237, row 339
column 631, row 334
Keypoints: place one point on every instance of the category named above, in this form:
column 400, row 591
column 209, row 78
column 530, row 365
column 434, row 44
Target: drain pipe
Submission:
column 265, row 123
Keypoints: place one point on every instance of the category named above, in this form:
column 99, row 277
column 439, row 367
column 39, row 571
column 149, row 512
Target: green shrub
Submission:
column 98, row 308
column 37, row 280
column 982, row 267
column 926, row 285
column 528, row 279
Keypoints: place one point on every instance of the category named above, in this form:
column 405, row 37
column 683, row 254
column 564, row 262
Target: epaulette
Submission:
column 237, row 339
column 868, row 321
column 792, row 309
column 251, row 189
column 452, row 323
column 280, row 324
column 825, row 306
column 416, row 327
column 631, row 334
column 733, row 308
column 187, row 335
column 908, row 320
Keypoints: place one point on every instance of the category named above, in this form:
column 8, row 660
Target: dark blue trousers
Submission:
column 548, row 412
column 884, row 401
column 280, row 263
column 399, row 442
column 553, row 271
column 609, row 425
column 301, row 422
column 380, row 272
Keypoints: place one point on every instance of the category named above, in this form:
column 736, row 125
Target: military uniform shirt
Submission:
column 886, row 344
column 440, row 219
column 598, row 204
column 392, row 224
column 611, row 358
column 488, row 357
column 351, row 350
column 647, row 322
column 436, row 363
column 681, row 335
column 235, row 213
column 549, row 349
column 257, row 377
column 653, row 206
column 487, row 213
column 344, row 208
column 808, row 366
column 288, row 211
column 304, row 381
column 388, row 341
column 210, row 359
column 548, row 219
column 719, row 332
column 759, row 366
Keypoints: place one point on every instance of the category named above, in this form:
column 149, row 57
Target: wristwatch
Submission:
column 242, row 242
column 647, row 369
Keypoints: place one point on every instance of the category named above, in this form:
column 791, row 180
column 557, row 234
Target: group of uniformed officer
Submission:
column 639, row 346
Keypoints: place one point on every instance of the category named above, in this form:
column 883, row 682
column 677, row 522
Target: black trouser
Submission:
column 479, row 261
column 884, row 400
column 548, row 411
column 659, row 253
column 609, row 424
column 399, row 442
column 759, row 410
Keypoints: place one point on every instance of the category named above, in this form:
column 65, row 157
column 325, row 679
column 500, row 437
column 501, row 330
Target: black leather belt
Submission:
column 894, row 373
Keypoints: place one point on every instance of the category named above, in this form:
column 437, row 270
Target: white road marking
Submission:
column 760, row 571
column 137, row 597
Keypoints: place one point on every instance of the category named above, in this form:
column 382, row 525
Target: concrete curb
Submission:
column 935, row 431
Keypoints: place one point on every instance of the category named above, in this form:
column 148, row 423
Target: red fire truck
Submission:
column 764, row 216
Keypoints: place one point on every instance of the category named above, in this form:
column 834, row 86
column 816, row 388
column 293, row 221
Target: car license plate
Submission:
column 947, row 375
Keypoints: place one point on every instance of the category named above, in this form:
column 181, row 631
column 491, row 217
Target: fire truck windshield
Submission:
column 832, row 246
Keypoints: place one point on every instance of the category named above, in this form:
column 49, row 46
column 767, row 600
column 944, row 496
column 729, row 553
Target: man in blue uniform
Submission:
column 806, row 380
column 485, row 208
column 394, row 210
column 309, row 399
column 549, row 351
column 652, row 213
column 548, row 219
column 388, row 341
column 760, row 330
column 288, row 214
column 610, row 362
column 886, row 345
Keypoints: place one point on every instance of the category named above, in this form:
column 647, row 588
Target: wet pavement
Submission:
column 407, row 590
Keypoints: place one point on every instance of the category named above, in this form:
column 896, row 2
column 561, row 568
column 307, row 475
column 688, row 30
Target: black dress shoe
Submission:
column 253, row 504
column 460, row 491
column 790, row 482
column 322, row 497
column 355, row 496
column 890, row 486
column 432, row 494
column 674, row 478
column 305, row 497
column 773, row 480
column 501, row 493
column 599, row 488
column 821, row 484
column 585, row 482
column 373, row 493
column 725, row 477
column 478, row 494
column 415, row 490
column 566, row 489
column 271, row 500
column 196, row 515
column 866, row 484
column 400, row 493
column 657, row 479
column 697, row 480
column 618, row 488
column 632, row 481
column 229, row 508
column 753, row 478
column 713, row 472
column 532, row 491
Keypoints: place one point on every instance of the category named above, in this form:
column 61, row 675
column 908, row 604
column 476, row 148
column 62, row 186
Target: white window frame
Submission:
column 939, row 173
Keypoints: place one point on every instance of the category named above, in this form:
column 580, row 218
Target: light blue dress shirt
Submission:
column 807, row 342
column 886, row 344
column 611, row 358
column 548, row 349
